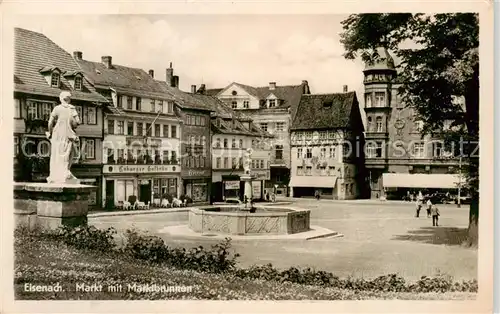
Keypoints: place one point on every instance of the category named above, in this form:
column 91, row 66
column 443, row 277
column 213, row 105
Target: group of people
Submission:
column 270, row 197
column 432, row 210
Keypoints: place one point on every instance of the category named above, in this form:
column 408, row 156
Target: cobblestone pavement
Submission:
column 379, row 238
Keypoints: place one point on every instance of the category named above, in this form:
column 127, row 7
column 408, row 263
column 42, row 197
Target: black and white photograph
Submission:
column 251, row 157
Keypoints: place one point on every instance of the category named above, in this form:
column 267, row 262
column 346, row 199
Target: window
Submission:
column 138, row 106
column 159, row 107
column 378, row 122
column 323, row 135
column 279, row 152
column 246, row 104
column 308, row 170
column 110, row 155
column 165, row 130
column 299, row 152
column 217, row 143
column 78, row 83
column 170, row 107
column 369, row 124
column 140, row 128
column 203, row 121
column 157, row 130
column 241, row 143
column 89, row 148
column 188, row 119
column 438, row 149
column 174, row 131
column 121, row 127
column 119, row 101
column 368, row 100
column 160, row 104
column 120, row 153
column 378, row 150
column 300, row 170
column 234, row 162
column 197, row 120
column 380, row 100
column 111, row 126
column 308, row 135
column 233, row 143
column 331, row 170
column 79, row 109
column 234, row 105
column 44, row 148
column 280, row 126
column 148, row 129
column 226, row 161
column 129, row 102
column 174, row 156
column 234, row 93
column 263, row 126
column 322, row 170
column 91, row 115
column 308, row 153
column 370, row 150
column 130, row 128
column 418, row 150
column 262, row 163
column 55, row 79
column 272, row 103
column 165, row 156
column 332, row 152
column 225, row 143
column 322, row 153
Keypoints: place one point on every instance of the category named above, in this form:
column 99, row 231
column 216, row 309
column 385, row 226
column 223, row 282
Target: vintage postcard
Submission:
column 222, row 157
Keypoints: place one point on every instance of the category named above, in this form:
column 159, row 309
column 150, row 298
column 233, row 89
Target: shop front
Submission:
column 260, row 178
column 196, row 185
column 145, row 183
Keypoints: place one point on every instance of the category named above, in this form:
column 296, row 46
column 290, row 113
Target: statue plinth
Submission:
column 51, row 205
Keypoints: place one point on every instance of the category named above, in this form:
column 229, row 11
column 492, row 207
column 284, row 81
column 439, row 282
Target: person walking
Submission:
column 316, row 195
column 435, row 215
column 429, row 205
column 420, row 200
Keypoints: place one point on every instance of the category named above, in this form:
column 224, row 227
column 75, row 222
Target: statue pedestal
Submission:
column 50, row 205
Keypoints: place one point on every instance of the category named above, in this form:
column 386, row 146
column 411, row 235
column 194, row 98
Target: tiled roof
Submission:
column 289, row 94
column 220, row 108
column 325, row 111
column 35, row 52
column 125, row 80
column 213, row 91
column 183, row 99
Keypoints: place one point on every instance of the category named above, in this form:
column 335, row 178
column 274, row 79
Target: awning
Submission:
column 313, row 181
column 421, row 180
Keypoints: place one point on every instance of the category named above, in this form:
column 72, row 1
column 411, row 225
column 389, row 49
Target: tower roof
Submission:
column 384, row 61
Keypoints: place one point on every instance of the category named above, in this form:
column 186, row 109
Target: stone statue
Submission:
column 247, row 160
column 64, row 142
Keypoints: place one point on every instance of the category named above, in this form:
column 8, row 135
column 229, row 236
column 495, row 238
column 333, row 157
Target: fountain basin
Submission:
column 265, row 220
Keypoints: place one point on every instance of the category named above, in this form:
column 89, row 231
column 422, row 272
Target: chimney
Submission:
column 78, row 55
column 193, row 89
column 152, row 73
column 272, row 85
column 107, row 61
column 305, row 88
column 345, row 88
column 170, row 76
column 202, row 89
column 176, row 82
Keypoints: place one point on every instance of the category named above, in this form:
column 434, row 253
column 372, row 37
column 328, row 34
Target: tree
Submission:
column 439, row 64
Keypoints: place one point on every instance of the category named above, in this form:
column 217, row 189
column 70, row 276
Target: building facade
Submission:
column 327, row 147
column 42, row 70
column 271, row 108
column 142, row 134
column 394, row 144
column 233, row 134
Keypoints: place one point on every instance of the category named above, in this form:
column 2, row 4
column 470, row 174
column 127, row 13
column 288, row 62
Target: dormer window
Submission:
column 78, row 83
column 272, row 103
column 55, row 79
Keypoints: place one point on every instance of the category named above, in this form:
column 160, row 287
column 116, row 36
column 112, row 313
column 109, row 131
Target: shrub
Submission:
column 85, row 237
column 217, row 259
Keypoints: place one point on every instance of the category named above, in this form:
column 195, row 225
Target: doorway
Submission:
column 110, row 194
column 145, row 191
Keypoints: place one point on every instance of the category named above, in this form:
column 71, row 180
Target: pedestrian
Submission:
column 316, row 195
column 435, row 215
column 429, row 205
column 274, row 197
column 419, row 203
column 267, row 196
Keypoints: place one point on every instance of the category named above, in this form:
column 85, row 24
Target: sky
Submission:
column 214, row 49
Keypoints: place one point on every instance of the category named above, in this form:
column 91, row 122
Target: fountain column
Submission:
column 247, row 178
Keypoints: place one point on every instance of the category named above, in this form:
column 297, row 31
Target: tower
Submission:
column 379, row 77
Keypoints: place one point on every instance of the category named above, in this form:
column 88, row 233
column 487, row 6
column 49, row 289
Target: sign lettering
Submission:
column 139, row 168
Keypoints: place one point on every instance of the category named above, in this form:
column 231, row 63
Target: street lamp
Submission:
column 459, row 179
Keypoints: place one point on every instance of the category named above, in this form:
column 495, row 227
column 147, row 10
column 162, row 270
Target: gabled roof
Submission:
column 213, row 91
column 325, row 111
column 123, row 79
column 289, row 94
column 34, row 52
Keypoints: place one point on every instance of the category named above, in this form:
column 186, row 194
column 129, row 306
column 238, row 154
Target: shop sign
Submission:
column 256, row 189
column 123, row 169
column 261, row 175
column 195, row 173
column 232, row 185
